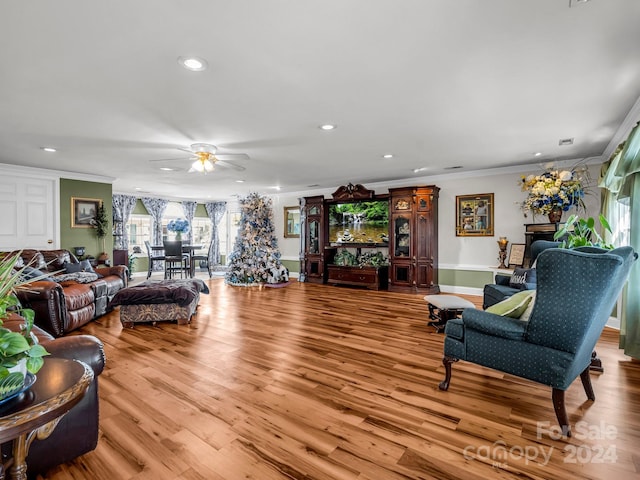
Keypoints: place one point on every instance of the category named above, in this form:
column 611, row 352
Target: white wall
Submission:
column 509, row 218
column 458, row 252
column 289, row 247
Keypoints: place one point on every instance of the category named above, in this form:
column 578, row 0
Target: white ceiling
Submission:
column 438, row 83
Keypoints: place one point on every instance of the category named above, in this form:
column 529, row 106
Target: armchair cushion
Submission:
column 495, row 325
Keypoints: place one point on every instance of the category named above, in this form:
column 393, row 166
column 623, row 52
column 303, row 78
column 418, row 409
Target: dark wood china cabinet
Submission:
column 413, row 239
column 411, row 243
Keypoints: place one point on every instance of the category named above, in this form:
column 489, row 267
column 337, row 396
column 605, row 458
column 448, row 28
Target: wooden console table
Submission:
column 374, row 278
column 60, row 385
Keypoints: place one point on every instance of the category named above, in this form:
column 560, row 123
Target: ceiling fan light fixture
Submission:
column 202, row 166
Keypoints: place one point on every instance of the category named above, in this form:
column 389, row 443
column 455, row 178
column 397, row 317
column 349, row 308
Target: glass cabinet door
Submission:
column 402, row 236
column 314, row 244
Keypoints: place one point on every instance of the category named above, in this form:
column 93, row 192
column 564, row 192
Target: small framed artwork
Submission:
column 516, row 255
column 291, row 222
column 474, row 215
column 83, row 211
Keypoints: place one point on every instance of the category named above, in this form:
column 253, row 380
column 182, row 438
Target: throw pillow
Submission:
column 527, row 313
column 30, row 273
column 523, row 279
column 72, row 267
column 514, row 306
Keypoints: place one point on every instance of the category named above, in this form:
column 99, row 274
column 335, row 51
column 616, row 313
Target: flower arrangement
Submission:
column 552, row 190
column 179, row 225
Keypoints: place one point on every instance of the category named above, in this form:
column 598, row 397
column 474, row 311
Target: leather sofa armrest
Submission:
column 502, row 279
column 85, row 348
column 120, row 270
column 46, row 299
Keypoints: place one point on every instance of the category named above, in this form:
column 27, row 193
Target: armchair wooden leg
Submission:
column 557, row 396
column 586, row 383
column 447, row 361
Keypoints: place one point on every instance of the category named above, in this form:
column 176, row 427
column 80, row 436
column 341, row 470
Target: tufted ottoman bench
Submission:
column 159, row 300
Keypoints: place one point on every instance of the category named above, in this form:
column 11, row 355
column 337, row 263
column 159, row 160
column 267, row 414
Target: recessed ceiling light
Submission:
column 195, row 64
column 537, row 154
column 421, row 169
column 239, row 181
column 328, row 126
column 387, row 155
column 166, row 169
column 138, row 188
column 276, row 187
column 49, row 149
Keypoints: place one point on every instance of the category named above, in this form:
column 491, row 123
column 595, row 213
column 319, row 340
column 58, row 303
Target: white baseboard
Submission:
column 461, row 290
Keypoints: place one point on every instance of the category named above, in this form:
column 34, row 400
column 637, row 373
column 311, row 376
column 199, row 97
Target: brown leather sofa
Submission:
column 77, row 431
column 61, row 307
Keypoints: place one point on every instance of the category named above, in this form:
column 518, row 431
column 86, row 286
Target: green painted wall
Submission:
column 464, row 278
column 140, row 209
column 84, row 237
column 292, row 265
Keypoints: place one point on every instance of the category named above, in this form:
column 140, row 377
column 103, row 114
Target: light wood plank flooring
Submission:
column 321, row 382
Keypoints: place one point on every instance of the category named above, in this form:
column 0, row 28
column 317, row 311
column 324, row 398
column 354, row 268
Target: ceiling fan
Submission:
column 205, row 158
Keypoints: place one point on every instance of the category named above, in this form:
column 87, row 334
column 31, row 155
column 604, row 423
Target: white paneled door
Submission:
column 27, row 213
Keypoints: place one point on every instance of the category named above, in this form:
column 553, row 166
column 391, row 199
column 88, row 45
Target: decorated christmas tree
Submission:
column 255, row 258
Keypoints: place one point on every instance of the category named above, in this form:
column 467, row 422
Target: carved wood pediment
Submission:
column 352, row 192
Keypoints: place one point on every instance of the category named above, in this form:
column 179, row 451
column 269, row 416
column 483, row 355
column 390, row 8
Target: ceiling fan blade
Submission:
column 172, row 159
column 232, row 156
column 233, row 166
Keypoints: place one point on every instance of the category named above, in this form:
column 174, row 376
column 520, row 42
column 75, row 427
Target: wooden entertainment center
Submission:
column 410, row 244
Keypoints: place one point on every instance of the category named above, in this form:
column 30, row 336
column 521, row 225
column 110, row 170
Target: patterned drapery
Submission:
column 123, row 205
column 621, row 181
column 156, row 208
column 215, row 211
column 189, row 209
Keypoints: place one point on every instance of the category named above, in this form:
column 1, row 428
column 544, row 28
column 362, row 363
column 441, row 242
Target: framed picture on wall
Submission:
column 516, row 255
column 83, row 211
column 474, row 215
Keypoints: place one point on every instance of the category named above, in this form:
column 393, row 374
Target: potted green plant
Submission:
column 581, row 232
column 17, row 349
column 101, row 224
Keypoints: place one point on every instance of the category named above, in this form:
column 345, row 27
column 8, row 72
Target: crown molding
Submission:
column 8, row 169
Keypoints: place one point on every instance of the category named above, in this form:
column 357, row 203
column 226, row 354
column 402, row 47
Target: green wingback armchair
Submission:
column 576, row 292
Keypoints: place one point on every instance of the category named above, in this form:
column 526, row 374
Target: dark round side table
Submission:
column 60, row 384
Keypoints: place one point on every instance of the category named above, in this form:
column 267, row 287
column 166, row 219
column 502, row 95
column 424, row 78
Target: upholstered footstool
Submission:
column 445, row 307
column 159, row 300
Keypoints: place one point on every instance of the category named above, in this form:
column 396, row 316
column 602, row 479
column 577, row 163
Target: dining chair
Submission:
column 153, row 259
column 200, row 256
column 175, row 260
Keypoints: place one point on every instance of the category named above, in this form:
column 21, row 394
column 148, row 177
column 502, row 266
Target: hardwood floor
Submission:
column 321, row 382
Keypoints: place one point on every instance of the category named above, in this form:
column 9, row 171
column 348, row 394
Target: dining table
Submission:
column 186, row 248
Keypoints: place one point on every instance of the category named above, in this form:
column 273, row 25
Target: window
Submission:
column 228, row 231
column 139, row 228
